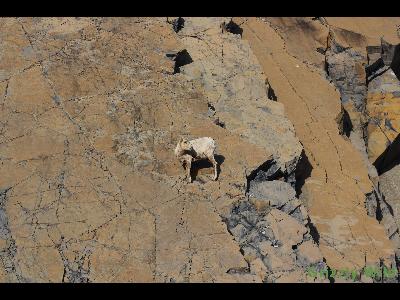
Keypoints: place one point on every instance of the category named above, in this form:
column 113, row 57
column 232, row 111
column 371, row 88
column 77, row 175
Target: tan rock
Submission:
column 339, row 180
column 371, row 28
column 291, row 277
column 277, row 263
column 383, row 108
column 258, row 267
column 120, row 207
column 3, row 244
column 366, row 279
column 308, row 253
column 240, row 98
column 91, row 112
column 286, row 229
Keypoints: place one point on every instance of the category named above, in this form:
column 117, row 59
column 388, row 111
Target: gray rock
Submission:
column 276, row 192
column 4, row 231
column 298, row 214
column 308, row 254
column 254, row 238
column 268, row 233
column 234, row 82
column 390, row 189
column 344, row 69
column 371, row 204
column 250, row 216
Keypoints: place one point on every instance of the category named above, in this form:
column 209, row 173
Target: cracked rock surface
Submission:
column 336, row 189
column 91, row 110
column 90, row 189
column 234, row 83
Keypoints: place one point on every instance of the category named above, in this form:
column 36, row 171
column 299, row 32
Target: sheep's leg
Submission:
column 215, row 164
column 188, row 167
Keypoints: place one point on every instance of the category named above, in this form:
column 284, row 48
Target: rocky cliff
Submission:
column 303, row 111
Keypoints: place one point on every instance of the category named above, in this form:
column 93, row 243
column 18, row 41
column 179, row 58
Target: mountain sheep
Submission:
column 197, row 149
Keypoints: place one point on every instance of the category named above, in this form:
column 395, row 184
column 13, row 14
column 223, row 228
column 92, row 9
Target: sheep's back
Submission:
column 203, row 145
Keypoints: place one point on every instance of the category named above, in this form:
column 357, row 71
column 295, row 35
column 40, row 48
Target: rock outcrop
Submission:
column 382, row 136
column 88, row 128
column 234, row 84
column 335, row 192
column 382, row 105
column 91, row 190
column 92, row 108
column 389, row 186
column 239, row 94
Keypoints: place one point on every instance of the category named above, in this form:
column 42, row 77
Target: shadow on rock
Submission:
column 204, row 164
column 389, row 158
column 302, row 172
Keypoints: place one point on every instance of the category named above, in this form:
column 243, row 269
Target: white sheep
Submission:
column 197, row 149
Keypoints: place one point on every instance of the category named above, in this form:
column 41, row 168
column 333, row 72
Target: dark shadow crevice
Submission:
column 232, row 27
column 395, row 65
column 302, row 172
column 265, row 172
column 178, row 24
column 313, row 231
column 344, row 122
column 389, row 158
column 271, row 93
column 205, row 164
column 181, row 59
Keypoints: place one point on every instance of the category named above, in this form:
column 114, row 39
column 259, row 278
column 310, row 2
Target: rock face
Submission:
column 88, row 129
column 382, row 106
column 389, row 185
column 91, row 190
column 382, row 136
column 278, row 194
column 92, row 108
column 273, row 233
column 275, row 245
column 235, row 86
column 239, row 95
column 347, row 70
column 336, row 189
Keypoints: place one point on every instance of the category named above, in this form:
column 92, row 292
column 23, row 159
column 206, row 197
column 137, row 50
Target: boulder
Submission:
column 286, row 229
column 308, row 254
column 276, row 193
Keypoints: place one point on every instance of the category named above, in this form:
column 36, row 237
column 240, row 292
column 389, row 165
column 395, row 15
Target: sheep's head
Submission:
column 182, row 147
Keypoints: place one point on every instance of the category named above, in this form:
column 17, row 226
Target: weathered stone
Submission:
column 89, row 131
column 266, row 248
column 239, row 231
column 239, row 97
column 382, row 108
column 286, row 229
column 92, row 108
column 338, row 181
column 308, row 254
column 389, row 186
column 290, row 277
column 276, row 193
column 347, row 71
column 277, row 263
column 257, row 267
